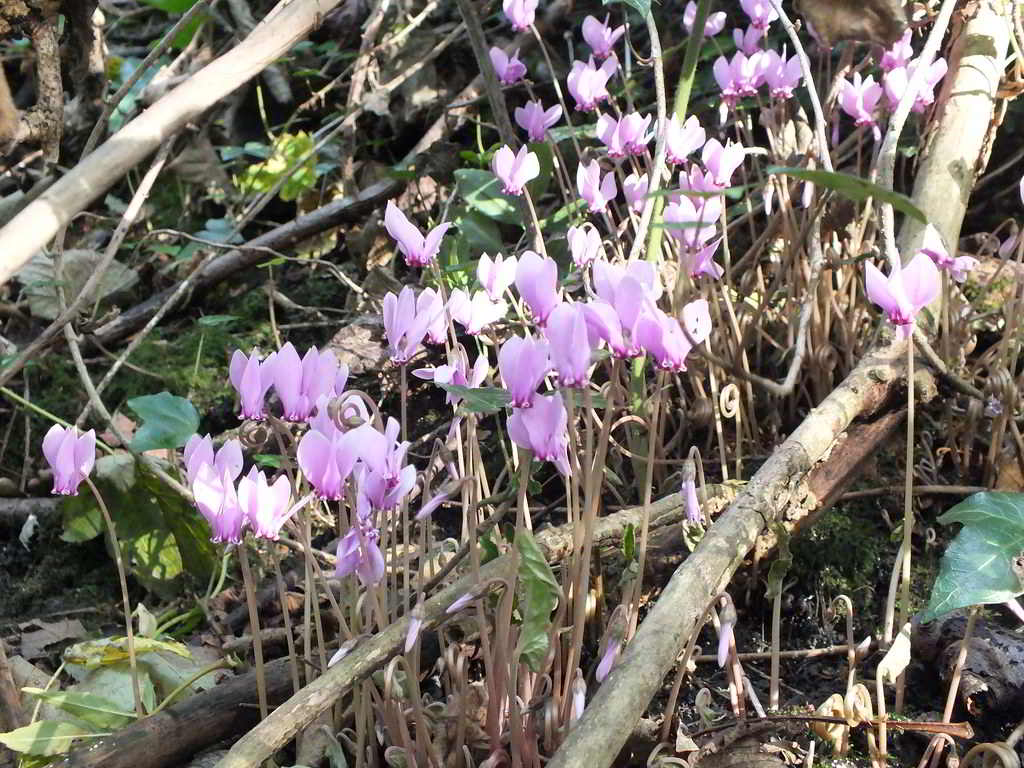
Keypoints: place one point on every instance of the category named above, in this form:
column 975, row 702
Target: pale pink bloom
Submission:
column 419, row 251
column 600, row 37
column 628, row 136
column 859, row 99
column 897, row 80
column 510, row 69
column 496, row 275
column 537, row 283
column 782, row 75
column 359, row 551
column 456, row 373
column 1022, row 189
column 199, row 451
column 714, row 24
column 635, row 190
column 725, row 640
column 523, row 363
column 662, row 336
column 900, row 54
column 571, row 344
column 610, row 278
column 588, row 84
column 71, row 457
column 760, row 12
column 695, row 220
column 681, row 140
column 584, row 244
column 404, row 326
column 412, row 633
column 535, row 120
column 251, row 378
column 905, row 292
column 624, row 294
column 597, row 191
column 579, row 695
column 689, row 491
column 604, row 666
column 300, row 383
column 748, row 41
column 430, row 303
column 327, row 458
column 521, row 13
column 217, row 501
column 935, row 249
column 515, row 170
column 721, row 161
column 543, row 430
column 265, row 505
column 739, row 76
column 476, row 313
column 700, row 261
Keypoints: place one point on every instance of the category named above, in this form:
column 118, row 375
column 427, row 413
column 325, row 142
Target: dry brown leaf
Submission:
column 37, row 635
column 870, row 21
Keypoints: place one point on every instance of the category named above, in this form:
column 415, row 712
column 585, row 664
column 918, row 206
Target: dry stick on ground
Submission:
column 31, row 229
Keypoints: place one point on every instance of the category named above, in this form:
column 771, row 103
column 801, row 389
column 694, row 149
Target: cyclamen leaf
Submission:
column 643, row 7
column 89, row 707
column 168, row 421
column 853, row 188
column 985, row 562
column 479, row 399
column 46, row 737
column 537, row 599
column 482, row 192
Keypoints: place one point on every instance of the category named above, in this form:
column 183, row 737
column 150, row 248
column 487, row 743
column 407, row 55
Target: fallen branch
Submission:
column 33, row 228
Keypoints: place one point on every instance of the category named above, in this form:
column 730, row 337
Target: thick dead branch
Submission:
column 31, row 229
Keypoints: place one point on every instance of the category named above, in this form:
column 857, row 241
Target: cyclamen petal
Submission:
column 71, row 457
column 537, row 283
column 419, row 251
column 585, row 244
column 600, row 37
column 714, row 24
column 594, row 189
column 543, row 429
column 515, row 170
column 535, row 120
column 521, row 13
column 523, row 364
column 509, row 69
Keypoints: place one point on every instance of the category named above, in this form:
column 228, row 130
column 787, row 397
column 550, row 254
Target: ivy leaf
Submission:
column 479, row 399
column 168, row 421
column 90, row 707
column 853, row 188
column 538, row 598
column 46, row 737
column 482, row 192
column 985, row 562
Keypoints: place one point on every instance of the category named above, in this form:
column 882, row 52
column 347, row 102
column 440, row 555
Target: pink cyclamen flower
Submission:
column 903, row 294
column 523, row 363
column 725, row 639
column 535, row 120
column 859, row 99
column 748, row 40
column 265, row 505
column 1022, row 189
column 510, row 69
column 701, row 261
column 693, row 222
column 714, row 24
column 600, row 37
column 382, row 452
column 496, row 275
column 689, row 491
column 430, row 303
column 515, row 169
column 635, row 190
column 404, row 326
column 419, row 251
column 935, row 249
column 584, row 244
column 760, row 12
column 251, row 378
column 781, row 74
column 217, row 501
column 199, row 451
column 579, row 696
column 521, row 13
column 300, row 383
column 739, row 76
column 588, row 84
column 900, row 54
column 682, row 140
column 597, row 191
column 327, row 459
column 611, row 653
column 537, row 283
column 896, row 82
column 412, row 633
column 722, row 162
column 662, row 336
column 624, row 294
column 476, row 313
column 571, row 344
column 628, row 136
column 71, row 457
column 359, row 551
column 543, row 430
column 456, row 373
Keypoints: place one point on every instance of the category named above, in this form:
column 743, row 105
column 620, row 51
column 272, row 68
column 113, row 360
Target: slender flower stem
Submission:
column 254, row 621
column 119, row 561
column 908, row 515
